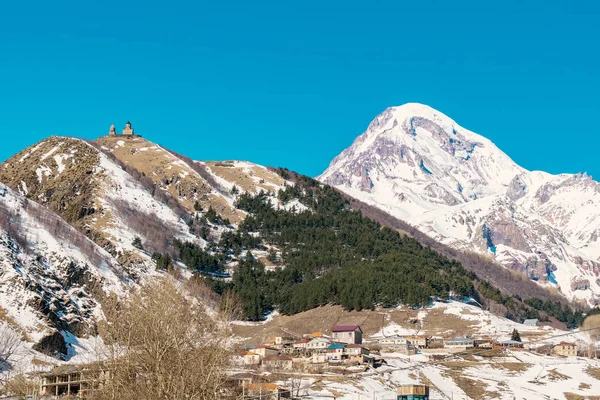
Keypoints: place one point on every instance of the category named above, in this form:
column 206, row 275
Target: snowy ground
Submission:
column 517, row 375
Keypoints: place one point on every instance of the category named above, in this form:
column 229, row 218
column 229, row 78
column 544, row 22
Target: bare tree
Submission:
column 20, row 387
column 162, row 344
column 10, row 342
column 592, row 326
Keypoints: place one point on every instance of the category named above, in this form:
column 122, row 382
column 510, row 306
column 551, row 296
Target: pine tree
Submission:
column 212, row 216
column 163, row 261
column 137, row 243
column 516, row 336
column 272, row 256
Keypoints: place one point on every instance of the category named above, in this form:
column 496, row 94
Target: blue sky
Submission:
column 289, row 83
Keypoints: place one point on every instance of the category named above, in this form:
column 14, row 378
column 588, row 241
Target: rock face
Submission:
column 53, row 345
column 458, row 187
column 52, row 278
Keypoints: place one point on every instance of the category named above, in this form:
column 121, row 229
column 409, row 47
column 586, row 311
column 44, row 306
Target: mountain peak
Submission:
column 415, row 109
column 421, row 166
column 416, row 143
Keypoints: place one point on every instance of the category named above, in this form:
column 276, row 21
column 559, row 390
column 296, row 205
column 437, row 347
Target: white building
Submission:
column 318, row 344
column 392, row 341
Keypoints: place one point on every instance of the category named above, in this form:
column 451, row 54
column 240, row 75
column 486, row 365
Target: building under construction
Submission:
column 77, row 381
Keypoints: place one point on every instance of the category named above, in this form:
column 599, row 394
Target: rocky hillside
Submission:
column 52, row 278
column 459, row 188
column 71, row 212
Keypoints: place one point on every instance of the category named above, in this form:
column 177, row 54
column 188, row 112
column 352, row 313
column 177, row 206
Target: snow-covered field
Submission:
column 517, row 375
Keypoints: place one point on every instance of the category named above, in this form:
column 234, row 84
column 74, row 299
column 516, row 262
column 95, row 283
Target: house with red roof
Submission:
column 300, row 344
column 264, row 351
column 350, row 334
column 565, row 349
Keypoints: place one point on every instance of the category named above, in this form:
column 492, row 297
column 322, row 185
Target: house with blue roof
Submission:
column 335, row 352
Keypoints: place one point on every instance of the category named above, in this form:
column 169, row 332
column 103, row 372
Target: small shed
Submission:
column 531, row 322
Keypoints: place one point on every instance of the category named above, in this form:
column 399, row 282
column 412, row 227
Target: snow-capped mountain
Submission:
column 456, row 186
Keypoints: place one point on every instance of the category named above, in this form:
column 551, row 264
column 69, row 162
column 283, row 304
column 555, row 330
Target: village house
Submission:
column 508, row 344
column 397, row 343
column 419, row 342
column 435, row 342
column 318, row 344
column 356, row 353
column 459, row 343
column 483, row 343
column 413, row 392
column 264, row 351
column 250, row 358
column 565, row 349
column 280, row 342
column 392, row 341
column 277, row 362
column 301, row 344
column 319, row 358
column 335, row 352
column 266, row 391
column 351, row 334
column 245, row 378
column 531, row 322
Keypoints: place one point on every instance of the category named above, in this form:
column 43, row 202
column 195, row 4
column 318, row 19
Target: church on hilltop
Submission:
column 127, row 131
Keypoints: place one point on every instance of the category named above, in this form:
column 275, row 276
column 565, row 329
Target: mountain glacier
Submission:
column 459, row 188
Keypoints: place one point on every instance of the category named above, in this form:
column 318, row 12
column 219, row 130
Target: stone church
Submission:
column 127, row 131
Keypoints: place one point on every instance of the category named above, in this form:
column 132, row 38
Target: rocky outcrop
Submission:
column 53, row 345
column 516, row 189
column 59, row 173
column 580, row 284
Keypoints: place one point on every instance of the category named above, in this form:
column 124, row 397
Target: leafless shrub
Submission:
column 61, row 230
column 157, row 235
column 163, row 345
column 20, row 387
column 592, row 326
column 10, row 342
